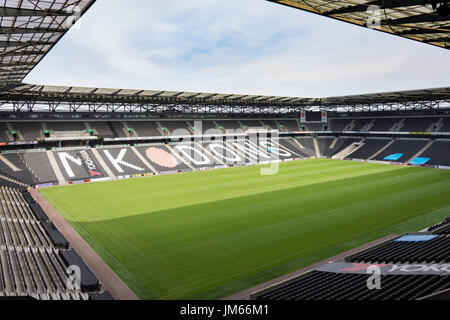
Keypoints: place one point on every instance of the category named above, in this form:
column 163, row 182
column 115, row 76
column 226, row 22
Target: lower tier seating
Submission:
column 32, row 263
column 438, row 153
column 402, row 150
column 318, row 285
column 370, row 148
column 409, row 249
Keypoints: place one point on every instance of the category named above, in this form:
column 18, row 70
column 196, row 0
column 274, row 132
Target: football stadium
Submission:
column 123, row 194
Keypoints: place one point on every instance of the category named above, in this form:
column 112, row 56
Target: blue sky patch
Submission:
column 243, row 47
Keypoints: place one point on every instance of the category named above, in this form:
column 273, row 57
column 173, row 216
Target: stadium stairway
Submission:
column 56, row 168
column 381, row 150
column 349, row 150
column 316, row 148
column 421, row 151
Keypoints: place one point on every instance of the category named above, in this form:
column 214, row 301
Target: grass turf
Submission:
column 210, row 234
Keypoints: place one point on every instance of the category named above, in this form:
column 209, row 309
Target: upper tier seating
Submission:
column 338, row 124
column 102, row 129
column 251, row 123
column 384, row 124
column 70, row 126
column 314, row 126
column 418, row 124
column 173, row 126
column 271, row 123
column 30, row 131
column 146, row 128
column 4, row 136
column 229, row 124
column 205, row 125
column 446, row 125
column 289, row 125
column 361, row 124
column 118, row 129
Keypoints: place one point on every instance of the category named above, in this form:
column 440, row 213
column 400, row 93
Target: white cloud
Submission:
column 238, row 46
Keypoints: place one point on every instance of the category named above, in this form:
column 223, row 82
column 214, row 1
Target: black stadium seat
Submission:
column 38, row 212
column 89, row 281
column 55, row 235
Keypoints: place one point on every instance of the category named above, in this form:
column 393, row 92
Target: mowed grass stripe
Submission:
column 215, row 245
column 332, row 191
column 226, row 245
column 160, row 193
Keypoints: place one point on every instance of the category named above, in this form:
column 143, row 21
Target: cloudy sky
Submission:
column 235, row 46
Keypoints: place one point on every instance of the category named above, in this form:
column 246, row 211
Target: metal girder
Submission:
column 176, row 99
column 31, row 30
column 222, row 110
column 425, row 17
column 384, row 4
column 423, row 31
column 13, row 53
column 16, row 64
column 23, row 43
column 22, row 12
column 443, row 39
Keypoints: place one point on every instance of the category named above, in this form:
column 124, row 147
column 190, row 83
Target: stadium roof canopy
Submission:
column 29, row 29
column 413, row 19
column 26, row 96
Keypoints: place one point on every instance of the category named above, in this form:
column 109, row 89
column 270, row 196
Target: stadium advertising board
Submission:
column 441, row 269
column 142, row 175
column 49, row 139
column 101, row 179
column 313, row 116
column 302, row 116
column 44, row 185
column 19, row 143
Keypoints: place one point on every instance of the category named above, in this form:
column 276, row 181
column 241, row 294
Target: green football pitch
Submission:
column 209, row 234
